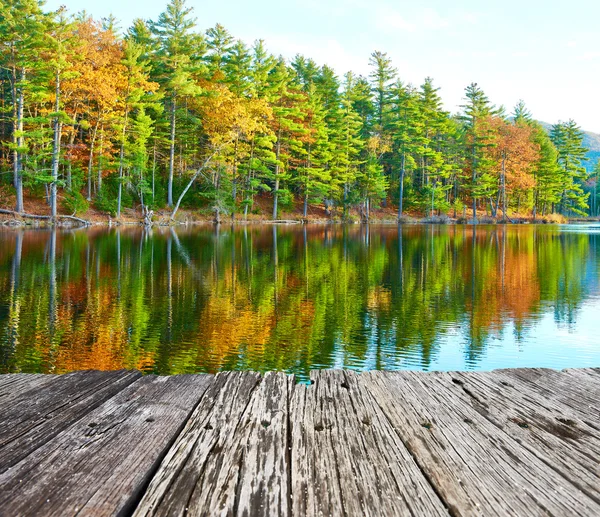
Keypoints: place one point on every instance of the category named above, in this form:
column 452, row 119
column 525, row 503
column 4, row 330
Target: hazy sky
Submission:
column 547, row 53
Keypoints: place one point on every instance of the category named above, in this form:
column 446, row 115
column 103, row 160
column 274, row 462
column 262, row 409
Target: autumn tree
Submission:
column 515, row 153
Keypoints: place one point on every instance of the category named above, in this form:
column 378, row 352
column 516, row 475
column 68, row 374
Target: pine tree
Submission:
column 346, row 149
column 288, row 126
column 521, row 115
column 237, row 69
column 137, row 98
column 595, row 190
column 568, row 138
column 22, row 30
column 382, row 76
column 476, row 113
column 434, row 171
column 177, row 60
column 60, row 32
column 404, row 127
column 219, row 43
column 313, row 174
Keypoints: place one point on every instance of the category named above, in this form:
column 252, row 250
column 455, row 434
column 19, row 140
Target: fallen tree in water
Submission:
column 25, row 215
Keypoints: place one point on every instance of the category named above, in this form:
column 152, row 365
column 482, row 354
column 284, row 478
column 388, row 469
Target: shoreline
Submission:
column 31, row 221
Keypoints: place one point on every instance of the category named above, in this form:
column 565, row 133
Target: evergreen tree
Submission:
column 22, row 29
column 288, row 127
column 404, row 127
column 382, row 75
column 177, row 60
column 568, row 138
column 346, row 149
column 137, row 98
column 237, row 69
column 314, row 174
column 60, row 33
column 219, row 43
column 476, row 113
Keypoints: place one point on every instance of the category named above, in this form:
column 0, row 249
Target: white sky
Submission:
column 547, row 53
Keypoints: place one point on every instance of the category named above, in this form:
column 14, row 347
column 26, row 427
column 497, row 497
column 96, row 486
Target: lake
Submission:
column 297, row 298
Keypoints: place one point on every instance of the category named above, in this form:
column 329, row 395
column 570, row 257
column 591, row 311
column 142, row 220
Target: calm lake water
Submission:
column 299, row 298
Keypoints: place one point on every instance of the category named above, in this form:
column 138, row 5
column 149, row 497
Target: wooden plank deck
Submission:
column 508, row 442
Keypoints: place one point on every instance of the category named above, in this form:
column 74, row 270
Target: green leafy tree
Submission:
column 405, row 127
column 347, row 148
column 314, row 176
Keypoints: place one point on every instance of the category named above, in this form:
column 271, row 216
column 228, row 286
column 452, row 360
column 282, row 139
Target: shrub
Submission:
column 75, row 203
column 106, row 203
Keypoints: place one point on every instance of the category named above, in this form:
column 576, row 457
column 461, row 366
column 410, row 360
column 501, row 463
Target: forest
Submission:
column 164, row 116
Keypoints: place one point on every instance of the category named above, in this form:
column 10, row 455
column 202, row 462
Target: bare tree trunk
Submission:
column 19, row 141
column 276, row 190
column 91, row 162
column 121, row 158
column 474, row 164
column 171, row 154
column 70, row 164
column 100, row 149
column 191, row 182
column 153, row 169
column 234, row 180
column 504, row 187
column 401, row 193
column 55, row 150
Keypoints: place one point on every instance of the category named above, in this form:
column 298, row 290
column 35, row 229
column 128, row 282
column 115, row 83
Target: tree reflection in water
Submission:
column 295, row 298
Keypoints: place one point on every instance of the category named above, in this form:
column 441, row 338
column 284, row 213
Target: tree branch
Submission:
column 45, row 217
column 191, row 182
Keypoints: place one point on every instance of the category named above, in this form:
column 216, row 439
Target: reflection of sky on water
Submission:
column 544, row 343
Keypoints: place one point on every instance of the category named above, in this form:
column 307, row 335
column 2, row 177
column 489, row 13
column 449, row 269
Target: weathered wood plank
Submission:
column 265, row 466
column 347, row 458
column 14, row 385
column 509, row 442
column 475, row 467
column 38, row 415
column 315, row 482
column 564, row 388
column 101, row 464
column 549, row 430
column 201, row 472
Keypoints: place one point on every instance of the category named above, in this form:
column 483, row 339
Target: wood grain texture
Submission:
column 550, row 430
column 101, row 464
column 15, row 385
column 200, row 474
column 476, row 467
column 568, row 388
column 37, row 415
column 508, row 442
column 347, row 458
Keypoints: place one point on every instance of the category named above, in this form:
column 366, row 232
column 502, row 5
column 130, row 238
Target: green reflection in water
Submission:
column 297, row 298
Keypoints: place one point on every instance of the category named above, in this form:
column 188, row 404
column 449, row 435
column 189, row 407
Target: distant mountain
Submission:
column 590, row 140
